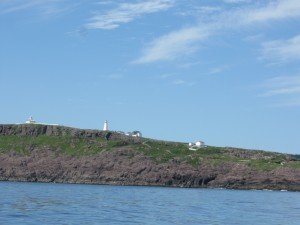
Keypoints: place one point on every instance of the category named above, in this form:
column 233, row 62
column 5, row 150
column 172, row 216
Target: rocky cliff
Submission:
column 41, row 153
column 34, row 130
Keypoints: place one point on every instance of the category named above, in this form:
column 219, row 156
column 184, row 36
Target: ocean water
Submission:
column 38, row 203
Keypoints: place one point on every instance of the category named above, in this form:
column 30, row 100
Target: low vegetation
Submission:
column 160, row 151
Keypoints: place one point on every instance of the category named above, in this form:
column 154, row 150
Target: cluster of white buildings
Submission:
column 195, row 146
column 132, row 134
column 192, row 146
column 30, row 120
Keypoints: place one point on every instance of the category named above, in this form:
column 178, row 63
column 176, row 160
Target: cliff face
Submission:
column 40, row 153
column 48, row 130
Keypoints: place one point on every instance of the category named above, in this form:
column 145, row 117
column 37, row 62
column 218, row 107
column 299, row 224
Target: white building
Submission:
column 200, row 144
column 30, row 120
column 195, row 146
column 105, row 127
column 134, row 134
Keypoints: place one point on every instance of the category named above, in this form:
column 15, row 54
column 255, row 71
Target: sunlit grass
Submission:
column 159, row 151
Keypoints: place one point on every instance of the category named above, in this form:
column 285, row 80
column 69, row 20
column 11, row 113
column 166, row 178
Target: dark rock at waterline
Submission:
column 124, row 165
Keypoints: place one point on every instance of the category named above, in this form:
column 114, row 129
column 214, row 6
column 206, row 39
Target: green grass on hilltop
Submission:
column 260, row 160
column 158, row 150
column 66, row 144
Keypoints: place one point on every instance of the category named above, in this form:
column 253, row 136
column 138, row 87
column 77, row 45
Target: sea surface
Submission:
column 38, row 203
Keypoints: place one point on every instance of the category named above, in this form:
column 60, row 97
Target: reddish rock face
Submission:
column 126, row 166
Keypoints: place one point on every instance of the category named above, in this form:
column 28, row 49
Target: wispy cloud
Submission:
column 187, row 40
column 275, row 10
column 208, row 9
column 254, row 38
column 218, row 69
column 285, row 90
column 15, row 6
column 174, row 44
column 236, row 1
column 126, row 12
column 115, row 76
column 167, row 75
column 188, row 65
column 183, row 82
column 288, row 103
column 281, row 51
column 285, row 85
column 45, row 7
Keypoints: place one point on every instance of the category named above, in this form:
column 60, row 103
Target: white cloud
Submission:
column 103, row 2
column 288, row 103
column 281, row 51
column 208, row 9
column 285, row 85
column 183, row 82
column 115, row 76
column 187, row 65
column 14, row 6
column 186, row 41
column 174, row 44
column 126, row 13
column 167, row 75
column 45, row 7
column 284, row 90
column 179, row 82
column 262, row 12
column 218, row 69
column 236, row 1
column 254, row 38
column 275, row 10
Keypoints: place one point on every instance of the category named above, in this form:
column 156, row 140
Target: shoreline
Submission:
column 43, row 153
column 241, row 188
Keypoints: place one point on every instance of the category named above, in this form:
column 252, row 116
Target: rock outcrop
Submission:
column 124, row 165
column 49, row 130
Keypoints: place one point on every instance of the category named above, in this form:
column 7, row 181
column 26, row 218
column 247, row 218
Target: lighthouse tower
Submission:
column 105, row 127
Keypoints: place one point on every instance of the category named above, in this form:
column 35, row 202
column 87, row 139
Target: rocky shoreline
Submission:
column 124, row 165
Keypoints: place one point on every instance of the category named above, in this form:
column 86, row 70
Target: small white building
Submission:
column 200, row 144
column 195, row 146
column 134, row 134
column 105, row 127
column 30, row 120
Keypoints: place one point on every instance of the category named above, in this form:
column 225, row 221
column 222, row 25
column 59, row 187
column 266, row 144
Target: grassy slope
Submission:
column 158, row 150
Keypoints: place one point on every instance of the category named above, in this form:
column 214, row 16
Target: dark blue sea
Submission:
column 38, row 203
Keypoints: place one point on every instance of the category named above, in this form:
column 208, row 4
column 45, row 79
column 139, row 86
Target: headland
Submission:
column 53, row 153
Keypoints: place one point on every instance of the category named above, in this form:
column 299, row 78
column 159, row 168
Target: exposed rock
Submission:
column 48, row 130
column 126, row 166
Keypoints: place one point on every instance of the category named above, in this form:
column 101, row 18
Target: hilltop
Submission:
column 46, row 153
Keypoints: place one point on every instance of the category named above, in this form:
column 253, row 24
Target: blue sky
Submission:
column 224, row 71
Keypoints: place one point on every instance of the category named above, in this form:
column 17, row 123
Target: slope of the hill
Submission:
column 44, row 153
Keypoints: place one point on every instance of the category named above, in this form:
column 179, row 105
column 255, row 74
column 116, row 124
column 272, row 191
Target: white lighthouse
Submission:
column 105, row 127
